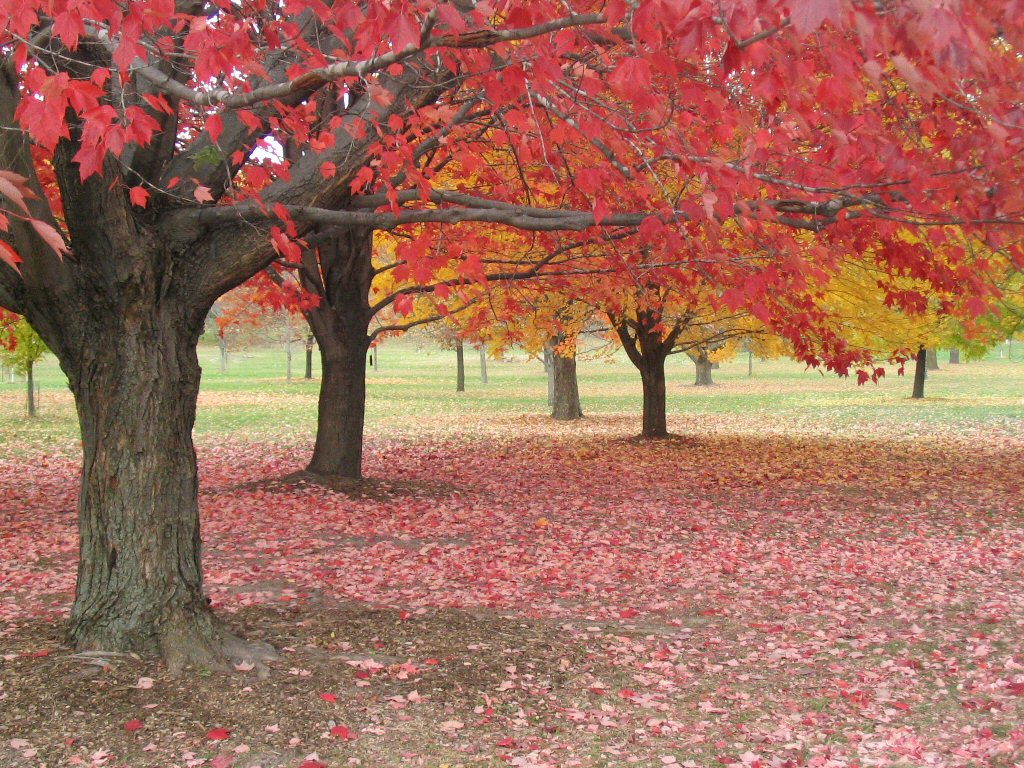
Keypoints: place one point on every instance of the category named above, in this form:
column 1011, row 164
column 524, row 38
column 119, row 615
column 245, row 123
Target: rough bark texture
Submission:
column 460, row 367
column 340, row 321
column 932, row 359
column 954, row 356
column 566, row 400
column 704, row 368
column 920, row 371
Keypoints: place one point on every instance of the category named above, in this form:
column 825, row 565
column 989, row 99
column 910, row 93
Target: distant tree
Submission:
column 21, row 349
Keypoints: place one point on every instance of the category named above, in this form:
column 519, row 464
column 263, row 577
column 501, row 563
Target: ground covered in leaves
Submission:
column 536, row 594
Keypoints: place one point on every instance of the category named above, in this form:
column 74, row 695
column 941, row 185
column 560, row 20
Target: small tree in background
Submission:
column 20, row 349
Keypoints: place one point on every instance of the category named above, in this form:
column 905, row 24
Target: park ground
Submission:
column 809, row 573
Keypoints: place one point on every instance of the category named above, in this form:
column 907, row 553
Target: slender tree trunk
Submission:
column 932, row 359
column 31, row 390
column 750, row 363
column 288, row 353
column 700, row 359
column 376, row 358
column 566, row 406
column 223, row 344
column 920, row 371
column 460, row 367
column 549, row 370
column 483, row 365
column 340, row 322
column 954, row 356
column 309, row 357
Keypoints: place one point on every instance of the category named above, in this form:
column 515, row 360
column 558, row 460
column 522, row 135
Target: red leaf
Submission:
column 343, row 733
column 9, row 257
column 214, row 126
column 138, row 196
column 133, row 725
column 202, row 194
column 329, row 697
column 218, row 734
column 808, row 15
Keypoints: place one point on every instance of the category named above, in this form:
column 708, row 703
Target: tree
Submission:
column 171, row 149
column 21, row 349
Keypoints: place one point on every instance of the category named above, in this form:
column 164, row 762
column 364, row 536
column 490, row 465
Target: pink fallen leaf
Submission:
column 452, row 725
column 329, row 697
column 144, row 683
column 19, row 743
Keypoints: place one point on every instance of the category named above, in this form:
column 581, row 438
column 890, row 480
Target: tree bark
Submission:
column 704, row 367
column 566, row 404
column 655, row 422
column 223, row 344
column 460, row 366
column 750, row 363
column 339, row 322
column 483, row 365
column 31, row 390
column 932, row 359
column 954, row 356
column 920, row 371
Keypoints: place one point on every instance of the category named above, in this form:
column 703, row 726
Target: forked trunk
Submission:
column 920, row 371
column 566, row 405
column 339, row 322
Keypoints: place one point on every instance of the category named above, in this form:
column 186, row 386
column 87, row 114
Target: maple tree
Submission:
column 20, row 349
column 170, row 151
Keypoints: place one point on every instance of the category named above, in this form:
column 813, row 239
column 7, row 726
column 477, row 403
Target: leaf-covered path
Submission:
column 541, row 595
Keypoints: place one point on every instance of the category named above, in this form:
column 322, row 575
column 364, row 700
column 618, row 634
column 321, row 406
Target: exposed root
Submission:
column 217, row 651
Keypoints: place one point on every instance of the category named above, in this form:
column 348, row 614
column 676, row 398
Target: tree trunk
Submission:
column 376, row 358
column 223, row 344
column 566, row 406
column 483, row 365
column 932, row 359
column 549, row 370
column 460, row 367
column 655, row 410
column 31, row 390
column 954, row 356
column 920, row 371
column 140, row 584
column 309, row 357
column 700, row 359
column 340, row 321
column 288, row 352
column 750, row 363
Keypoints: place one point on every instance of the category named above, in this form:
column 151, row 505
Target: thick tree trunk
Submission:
column 140, row 584
column 309, row 357
column 954, row 356
column 932, row 359
column 460, row 367
column 31, row 390
column 920, row 371
column 704, row 368
column 566, row 404
column 483, row 365
column 340, row 322
column 655, row 405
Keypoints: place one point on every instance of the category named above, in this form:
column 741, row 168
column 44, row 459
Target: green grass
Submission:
column 416, row 385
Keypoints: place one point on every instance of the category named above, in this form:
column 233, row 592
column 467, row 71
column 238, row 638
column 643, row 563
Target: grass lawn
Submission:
column 810, row 573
